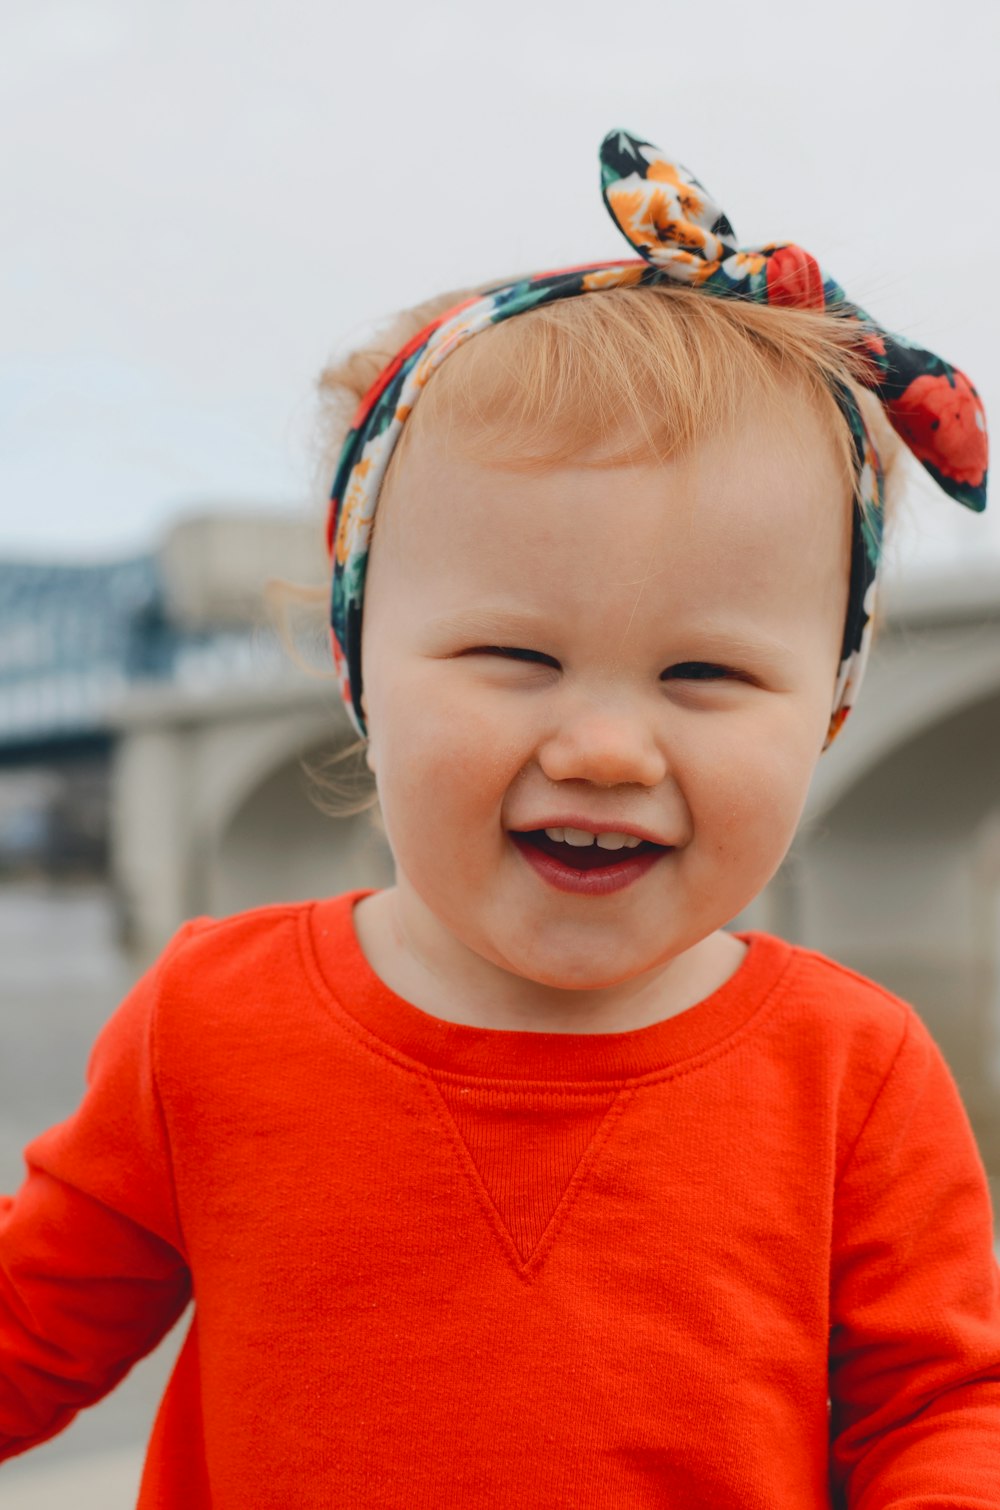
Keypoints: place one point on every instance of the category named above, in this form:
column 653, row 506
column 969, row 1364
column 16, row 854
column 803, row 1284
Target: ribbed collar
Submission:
column 332, row 945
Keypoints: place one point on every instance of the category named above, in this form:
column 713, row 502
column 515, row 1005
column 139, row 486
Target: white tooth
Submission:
column 612, row 841
column 556, row 833
column 632, row 841
column 578, row 836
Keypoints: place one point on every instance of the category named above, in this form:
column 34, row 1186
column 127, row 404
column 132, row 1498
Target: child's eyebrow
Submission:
column 489, row 622
column 735, row 642
column 495, row 624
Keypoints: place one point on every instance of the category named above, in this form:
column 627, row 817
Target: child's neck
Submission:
column 435, row 972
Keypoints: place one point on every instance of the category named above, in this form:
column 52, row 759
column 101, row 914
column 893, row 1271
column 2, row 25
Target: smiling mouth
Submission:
column 584, row 857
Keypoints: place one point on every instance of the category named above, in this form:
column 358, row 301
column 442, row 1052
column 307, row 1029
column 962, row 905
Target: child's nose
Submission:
column 609, row 746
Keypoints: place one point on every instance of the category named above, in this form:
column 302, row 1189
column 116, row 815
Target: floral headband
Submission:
column 681, row 236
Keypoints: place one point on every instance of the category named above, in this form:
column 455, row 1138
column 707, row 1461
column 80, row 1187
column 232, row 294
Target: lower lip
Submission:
column 589, row 883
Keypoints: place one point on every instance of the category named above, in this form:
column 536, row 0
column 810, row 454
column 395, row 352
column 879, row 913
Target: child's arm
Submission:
column 92, row 1268
column 915, row 1302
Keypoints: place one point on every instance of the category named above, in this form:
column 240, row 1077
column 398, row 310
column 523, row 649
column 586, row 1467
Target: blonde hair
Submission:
column 613, row 376
column 667, row 364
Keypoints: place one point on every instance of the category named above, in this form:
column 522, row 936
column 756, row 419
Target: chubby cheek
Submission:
column 442, row 769
column 746, row 799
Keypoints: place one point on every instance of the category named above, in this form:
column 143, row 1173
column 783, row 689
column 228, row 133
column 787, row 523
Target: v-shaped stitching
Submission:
column 527, row 1268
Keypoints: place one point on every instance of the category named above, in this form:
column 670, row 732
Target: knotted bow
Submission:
column 676, row 226
column 681, row 235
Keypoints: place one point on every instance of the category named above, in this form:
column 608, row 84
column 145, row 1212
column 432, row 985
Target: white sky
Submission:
column 202, row 198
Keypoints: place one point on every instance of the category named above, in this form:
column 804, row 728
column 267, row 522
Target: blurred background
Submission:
column 203, row 203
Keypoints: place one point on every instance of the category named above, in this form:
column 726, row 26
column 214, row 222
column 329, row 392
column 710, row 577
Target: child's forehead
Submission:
column 776, row 466
column 756, row 521
column 653, row 373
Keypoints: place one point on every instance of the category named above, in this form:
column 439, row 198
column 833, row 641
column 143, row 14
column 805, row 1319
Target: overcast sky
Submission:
column 203, row 198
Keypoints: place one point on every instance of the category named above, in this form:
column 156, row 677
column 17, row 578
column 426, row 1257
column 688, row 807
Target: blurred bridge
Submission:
column 75, row 640
column 168, row 669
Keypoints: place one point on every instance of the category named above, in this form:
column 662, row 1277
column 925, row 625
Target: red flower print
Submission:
column 794, row 278
column 870, row 348
column 943, row 423
column 837, row 722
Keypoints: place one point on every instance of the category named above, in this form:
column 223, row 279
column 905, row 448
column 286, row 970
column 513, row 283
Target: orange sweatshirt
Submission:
column 738, row 1259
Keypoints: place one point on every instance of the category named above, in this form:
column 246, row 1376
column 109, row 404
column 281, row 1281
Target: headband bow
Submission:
column 675, row 226
column 681, row 235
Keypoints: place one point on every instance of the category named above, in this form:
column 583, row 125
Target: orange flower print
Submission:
column 627, row 206
column 613, row 277
column 664, row 173
column 350, row 508
column 350, row 505
column 676, row 228
column 745, row 264
column 687, row 268
column 686, row 195
column 942, row 422
column 654, row 218
column 837, row 721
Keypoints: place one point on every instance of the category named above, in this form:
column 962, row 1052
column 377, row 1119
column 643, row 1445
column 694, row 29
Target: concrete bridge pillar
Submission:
column 151, row 834
column 211, row 814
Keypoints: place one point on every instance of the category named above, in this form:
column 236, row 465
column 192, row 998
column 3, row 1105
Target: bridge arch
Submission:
column 919, row 679
column 275, row 842
column 899, row 878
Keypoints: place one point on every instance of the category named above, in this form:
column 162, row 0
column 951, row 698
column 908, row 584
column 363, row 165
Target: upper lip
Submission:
column 592, row 826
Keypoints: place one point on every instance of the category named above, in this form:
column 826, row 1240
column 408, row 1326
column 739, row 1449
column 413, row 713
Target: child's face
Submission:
column 626, row 585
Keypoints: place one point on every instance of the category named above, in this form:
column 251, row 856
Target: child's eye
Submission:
column 699, row 671
column 515, row 653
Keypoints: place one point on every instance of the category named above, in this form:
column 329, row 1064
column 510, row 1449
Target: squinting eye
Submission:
column 514, row 653
column 698, row 671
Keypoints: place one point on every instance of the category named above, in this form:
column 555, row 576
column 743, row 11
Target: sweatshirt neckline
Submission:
column 512, row 1054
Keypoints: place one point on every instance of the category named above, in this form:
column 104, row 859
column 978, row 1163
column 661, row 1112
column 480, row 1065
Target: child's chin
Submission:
column 576, row 975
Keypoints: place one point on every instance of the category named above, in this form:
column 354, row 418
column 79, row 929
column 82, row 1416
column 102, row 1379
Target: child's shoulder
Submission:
column 237, row 942
column 221, row 988
column 846, row 1008
column 236, row 968
column 829, row 980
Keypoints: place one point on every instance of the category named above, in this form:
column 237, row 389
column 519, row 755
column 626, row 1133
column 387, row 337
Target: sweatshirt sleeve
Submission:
column 915, row 1302
column 92, row 1267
